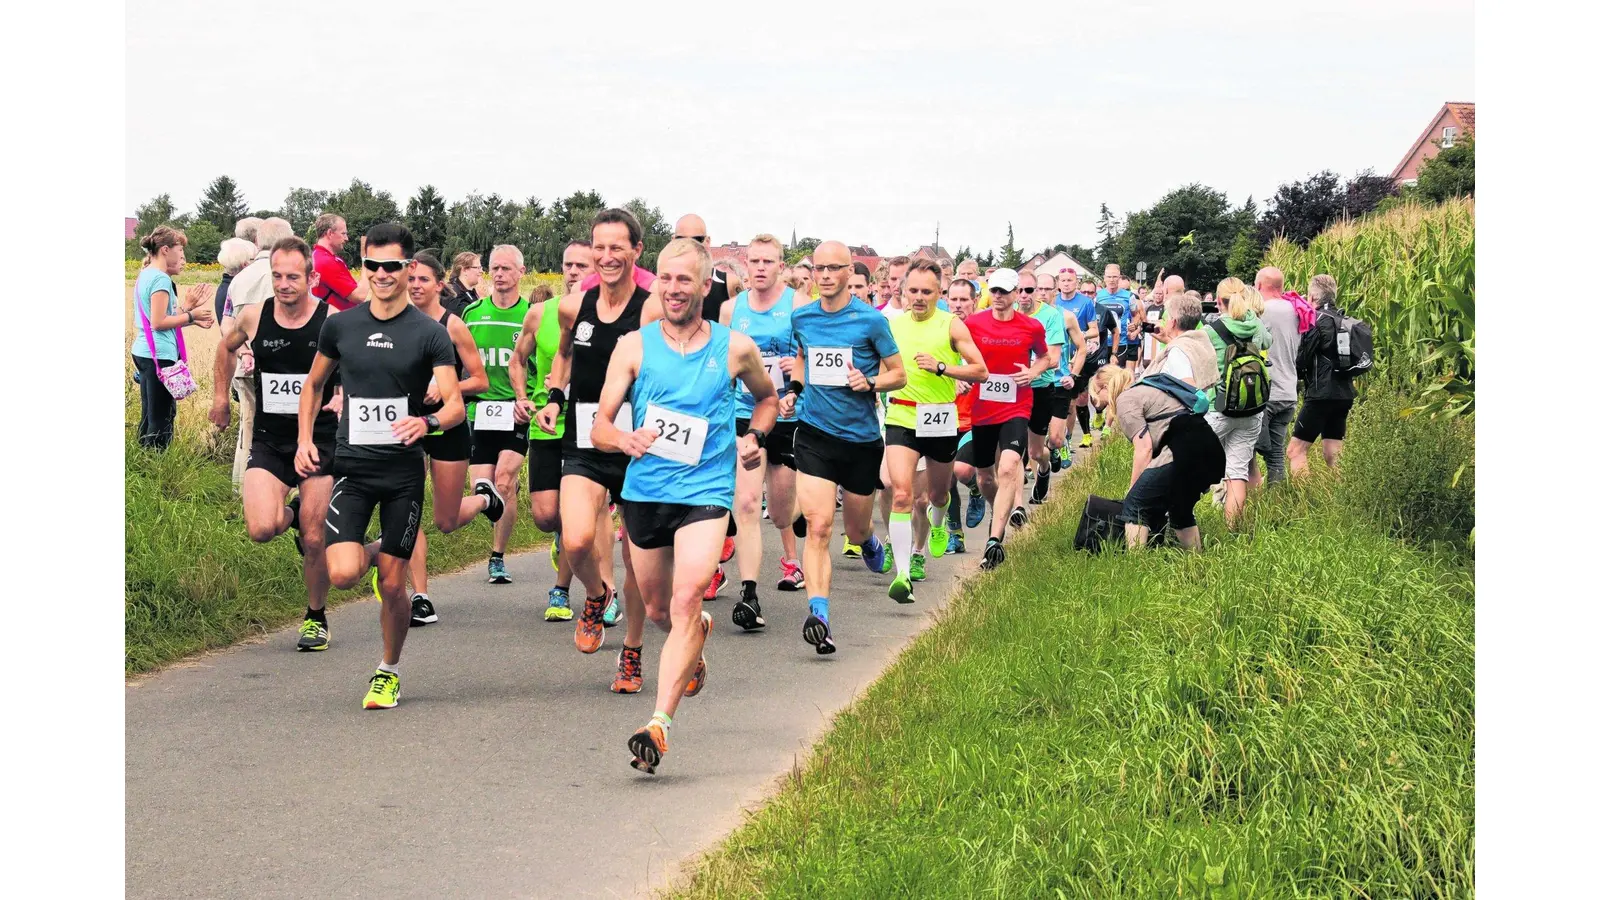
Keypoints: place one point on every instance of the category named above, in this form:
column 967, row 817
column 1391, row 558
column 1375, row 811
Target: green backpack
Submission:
column 1246, row 376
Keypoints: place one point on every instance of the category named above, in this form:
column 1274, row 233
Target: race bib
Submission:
column 495, row 415
column 828, row 365
column 587, row 412
column 998, row 389
column 680, row 438
column 372, row 421
column 774, row 367
column 281, row 393
column 936, row 420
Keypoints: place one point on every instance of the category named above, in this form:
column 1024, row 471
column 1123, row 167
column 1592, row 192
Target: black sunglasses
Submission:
column 1027, row 290
column 390, row 266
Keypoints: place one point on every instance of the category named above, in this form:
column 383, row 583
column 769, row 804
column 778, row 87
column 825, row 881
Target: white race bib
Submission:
column 281, row 393
column 588, row 412
column 936, row 420
column 680, row 438
column 372, row 421
column 828, row 366
column 998, row 389
column 774, row 367
column 495, row 415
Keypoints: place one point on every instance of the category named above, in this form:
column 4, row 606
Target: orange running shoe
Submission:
column 591, row 633
column 698, row 679
column 727, row 549
column 717, row 580
column 630, row 671
column 648, row 745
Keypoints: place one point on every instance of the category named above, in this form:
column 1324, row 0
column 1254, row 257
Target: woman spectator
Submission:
column 1237, row 308
column 158, row 316
column 466, row 271
column 233, row 256
column 800, row 279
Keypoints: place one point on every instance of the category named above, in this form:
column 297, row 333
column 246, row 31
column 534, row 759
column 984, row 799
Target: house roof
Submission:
column 130, row 225
column 1463, row 113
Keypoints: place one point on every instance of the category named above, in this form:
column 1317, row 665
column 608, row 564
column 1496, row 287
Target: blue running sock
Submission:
column 819, row 607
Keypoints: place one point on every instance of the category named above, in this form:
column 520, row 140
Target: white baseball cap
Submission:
column 1004, row 280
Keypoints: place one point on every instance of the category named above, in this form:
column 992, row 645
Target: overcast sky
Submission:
column 863, row 122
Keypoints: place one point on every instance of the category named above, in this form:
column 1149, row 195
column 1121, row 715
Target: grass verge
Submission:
column 1289, row 713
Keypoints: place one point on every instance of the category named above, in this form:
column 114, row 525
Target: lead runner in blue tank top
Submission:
column 679, row 374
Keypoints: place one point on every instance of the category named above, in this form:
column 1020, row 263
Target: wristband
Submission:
column 795, row 387
column 760, row 436
column 556, row 396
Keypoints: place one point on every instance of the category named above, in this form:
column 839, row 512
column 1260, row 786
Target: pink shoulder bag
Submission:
column 176, row 377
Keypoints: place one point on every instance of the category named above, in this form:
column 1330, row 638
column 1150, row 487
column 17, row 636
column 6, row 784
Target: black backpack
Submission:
column 1246, row 376
column 1353, row 352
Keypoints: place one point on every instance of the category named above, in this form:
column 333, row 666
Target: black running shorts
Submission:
column 454, row 445
column 278, row 460
column 396, row 491
column 1322, row 418
column 605, row 469
column 544, row 466
column 487, row 445
column 989, row 440
column 849, row 464
column 651, row 526
column 937, row 449
column 1061, row 401
column 1044, row 399
column 780, row 443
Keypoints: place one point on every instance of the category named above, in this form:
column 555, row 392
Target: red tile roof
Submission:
column 1463, row 113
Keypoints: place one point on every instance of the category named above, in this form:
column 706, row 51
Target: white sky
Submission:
column 861, row 122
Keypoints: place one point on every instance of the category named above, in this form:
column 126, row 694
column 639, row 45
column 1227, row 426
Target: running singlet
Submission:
column 685, row 399
column 919, row 404
column 711, row 304
column 546, row 341
column 1055, row 335
column 283, row 359
column 773, row 333
column 1005, row 346
column 495, row 331
column 592, row 344
column 1119, row 303
column 385, row 366
column 461, row 370
column 1080, row 307
column 856, row 335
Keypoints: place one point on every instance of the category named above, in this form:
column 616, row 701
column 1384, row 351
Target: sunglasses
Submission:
column 1028, row 290
column 999, row 292
column 390, row 266
column 831, row 268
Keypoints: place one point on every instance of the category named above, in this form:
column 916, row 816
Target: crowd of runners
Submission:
column 673, row 416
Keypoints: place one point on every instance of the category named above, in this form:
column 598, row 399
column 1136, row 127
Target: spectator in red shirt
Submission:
column 334, row 282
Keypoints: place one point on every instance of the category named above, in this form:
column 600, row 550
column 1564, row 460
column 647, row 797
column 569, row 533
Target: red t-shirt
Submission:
column 1005, row 346
column 334, row 282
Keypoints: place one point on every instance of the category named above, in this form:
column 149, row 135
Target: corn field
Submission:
column 1410, row 274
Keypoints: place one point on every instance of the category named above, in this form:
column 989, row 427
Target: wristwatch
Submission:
column 760, row 436
column 872, row 383
column 940, row 370
column 432, row 421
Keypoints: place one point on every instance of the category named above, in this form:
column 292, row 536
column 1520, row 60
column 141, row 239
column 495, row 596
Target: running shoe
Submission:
column 993, row 554
column 1066, row 460
column 613, row 613
column 794, row 579
column 727, row 549
column 497, row 571
column 900, row 590
column 1105, row 432
column 938, row 541
column 422, row 611
column 717, row 580
column 555, row 553
column 560, row 608
column 313, row 636
column 630, row 671
column 888, row 560
column 919, row 567
column 697, row 681
column 384, row 690
column 1098, row 423
column 375, row 592
column 1055, row 460
column 497, row 504
column 294, row 508
column 1087, row 442
column 816, row 631
column 1019, row 517
column 1041, row 487
column 851, row 551
column 874, row 553
column 958, row 542
column 591, row 634
column 976, row 507
column 648, row 745
column 747, row 612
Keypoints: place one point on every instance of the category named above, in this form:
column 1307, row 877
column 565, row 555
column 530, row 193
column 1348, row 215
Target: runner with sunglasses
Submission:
column 499, row 441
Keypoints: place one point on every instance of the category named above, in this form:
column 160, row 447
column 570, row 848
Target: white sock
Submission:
column 385, row 667
column 936, row 514
column 900, row 540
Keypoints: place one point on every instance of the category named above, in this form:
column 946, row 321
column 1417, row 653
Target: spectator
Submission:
column 1284, row 324
column 335, row 285
column 1329, row 395
column 245, row 230
column 158, row 322
column 947, row 272
column 1236, row 304
column 233, row 256
column 539, row 294
column 253, row 284
column 1175, row 455
column 800, row 279
column 466, row 272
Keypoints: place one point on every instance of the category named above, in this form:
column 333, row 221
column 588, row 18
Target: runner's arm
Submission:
column 1080, row 346
column 561, row 363
column 749, row 370
column 1141, row 456
column 311, row 392
column 227, row 355
column 527, row 343
column 477, row 377
column 454, row 411
column 620, row 373
column 653, row 309
column 973, row 370
column 891, row 374
column 1041, row 356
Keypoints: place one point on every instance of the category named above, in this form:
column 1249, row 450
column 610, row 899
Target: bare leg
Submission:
column 781, row 507
column 314, row 494
column 1234, row 508
column 747, row 512
column 1298, row 451
column 692, row 560
column 507, row 474
column 265, row 515
column 920, row 526
column 396, row 614
column 816, row 498
column 1330, row 452
column 417, row 566
column 1007, row 481
column 451, row 511
column 583, row 508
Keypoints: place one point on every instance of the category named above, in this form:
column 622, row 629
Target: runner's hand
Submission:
column 786, row 363
column 786, row 405
column 195, row 297
column 219, row 413
column 858, row 382
column 410, row 429
column 636, row 442
column 962, row 387
column 547, row 418
column 927, row 363
column 336, row 403
column 432, row 395
column 306, row 460
column 523, row 412
column 749, row 452
column 1021, row 376
column 1067, row 381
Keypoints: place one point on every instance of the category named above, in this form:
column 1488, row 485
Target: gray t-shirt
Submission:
column 1134, row 408
column 1281, row 320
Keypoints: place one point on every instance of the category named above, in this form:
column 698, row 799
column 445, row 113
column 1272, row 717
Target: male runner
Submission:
column 591, row 324
column 1119, row 301
column 764, row 314
column 1014, row 349
column 963, row 303
column 284, row 332
column 850, row 354
column 386, row 350
column 692, row 227
column 1030, row 303
column 499, row 441
column 680, row 484
column 921, row 421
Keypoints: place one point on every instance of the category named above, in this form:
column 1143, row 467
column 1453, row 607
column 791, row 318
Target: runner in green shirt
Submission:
column 499, row 442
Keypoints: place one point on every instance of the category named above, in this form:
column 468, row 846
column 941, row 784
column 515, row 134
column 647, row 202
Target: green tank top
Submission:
column 495, row 331
column 933, row 338
column 546, row 342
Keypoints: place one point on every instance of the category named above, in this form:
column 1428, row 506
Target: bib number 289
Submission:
column 999, row 389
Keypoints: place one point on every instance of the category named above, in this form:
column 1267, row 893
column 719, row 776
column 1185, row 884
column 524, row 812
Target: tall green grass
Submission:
column 1287, row 714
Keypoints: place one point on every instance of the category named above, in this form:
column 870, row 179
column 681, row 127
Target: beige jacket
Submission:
column 1202, row 358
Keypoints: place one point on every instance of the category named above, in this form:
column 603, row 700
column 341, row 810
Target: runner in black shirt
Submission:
column 693, row 227
column 387, row 351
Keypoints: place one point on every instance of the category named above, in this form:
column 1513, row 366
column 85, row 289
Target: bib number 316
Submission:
column 373, row 421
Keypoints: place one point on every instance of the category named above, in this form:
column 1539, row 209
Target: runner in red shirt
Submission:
column 1014, row 349
column 334, row 286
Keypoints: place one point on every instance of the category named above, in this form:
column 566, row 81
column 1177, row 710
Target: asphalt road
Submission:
column 503, row 772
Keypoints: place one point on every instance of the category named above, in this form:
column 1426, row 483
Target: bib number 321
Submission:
column 680, row 438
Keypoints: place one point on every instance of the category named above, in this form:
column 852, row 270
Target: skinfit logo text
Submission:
column 380, row 340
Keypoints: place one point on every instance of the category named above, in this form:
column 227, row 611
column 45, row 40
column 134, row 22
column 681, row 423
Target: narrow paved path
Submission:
column 504, row 770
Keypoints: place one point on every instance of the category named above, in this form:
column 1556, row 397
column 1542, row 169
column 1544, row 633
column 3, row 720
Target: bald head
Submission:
column 833, row 270
column 692, row 227
column 1173, row 285
column 1269, row 282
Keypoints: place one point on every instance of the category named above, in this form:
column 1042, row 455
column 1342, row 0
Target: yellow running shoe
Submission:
column 852, row 551
column 384, row 692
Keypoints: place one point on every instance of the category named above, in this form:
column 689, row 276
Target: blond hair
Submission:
column 1112, row 382
column 684, row 247
column 764, row 238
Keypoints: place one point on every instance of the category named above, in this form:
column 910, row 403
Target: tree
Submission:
column 302, row 207
column 205, row 239
column 222, row 205
column 1300, row 210
column 425, row 216
column 1107, row 229
column 1188, row 232
column 1081, row 254
column 1245, row 256
column 1011, row 255
column 801, row 249
column 962, row 254
column 1363, row 193
column 157, row 211
column 1449, row 174
column 361, row 208
column 985, row 260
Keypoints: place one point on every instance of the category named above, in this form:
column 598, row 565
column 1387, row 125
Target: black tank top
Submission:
column 711, row 305
column 288, row 351
column 461, row 370
column 593, row 342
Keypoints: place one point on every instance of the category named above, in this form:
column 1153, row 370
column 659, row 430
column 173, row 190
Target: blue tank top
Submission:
column 694, row 398
column 773, row 334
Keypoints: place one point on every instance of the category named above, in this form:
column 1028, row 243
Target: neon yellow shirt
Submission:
column 932, row 337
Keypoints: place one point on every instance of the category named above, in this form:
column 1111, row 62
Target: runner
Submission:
column 1077, row 311
column 921, row 423
column 692, row 227
column 679, row 486
column 1119, row 301
column 591, row 323
column 849, row 354
column 449, row 451
column 764, row 314
column 386, row 350
column 284, row 331
column 963, row 303
column 1014, row 349
column 499, row 441
column 1031, row 303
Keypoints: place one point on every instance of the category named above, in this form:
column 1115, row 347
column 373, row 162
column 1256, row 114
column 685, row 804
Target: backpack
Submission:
column 1304, row 312
column 1246, row 376
column 1353, row 353
column 1195, row 401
